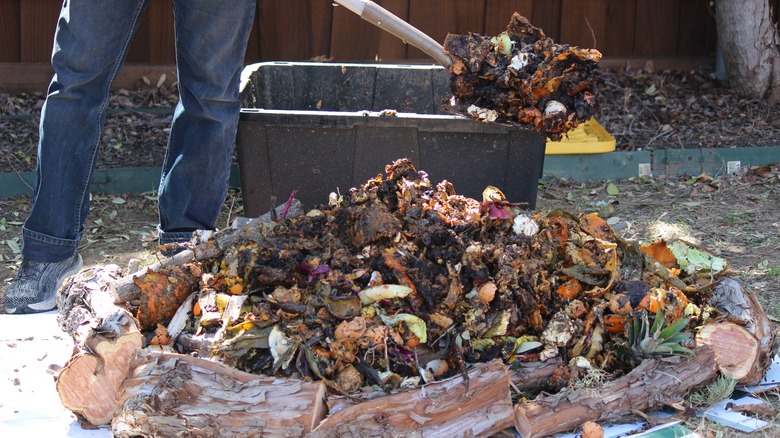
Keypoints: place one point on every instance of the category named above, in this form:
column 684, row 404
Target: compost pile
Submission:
column 523, row 76
column 402, row 306
column 400, row 282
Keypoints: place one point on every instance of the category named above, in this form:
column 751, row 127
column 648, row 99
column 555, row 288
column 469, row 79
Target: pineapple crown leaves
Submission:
column 658, row 339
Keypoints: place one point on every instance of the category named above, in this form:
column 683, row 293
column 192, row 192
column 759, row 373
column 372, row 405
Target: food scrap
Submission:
column 521, row 75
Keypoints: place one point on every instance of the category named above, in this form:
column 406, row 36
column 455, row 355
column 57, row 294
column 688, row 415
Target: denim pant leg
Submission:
column 90, row 45
column 211, row 41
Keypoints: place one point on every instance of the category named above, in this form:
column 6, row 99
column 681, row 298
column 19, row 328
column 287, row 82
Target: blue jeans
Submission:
column 90, row 46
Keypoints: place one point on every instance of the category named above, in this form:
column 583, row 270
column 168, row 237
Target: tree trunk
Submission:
column 749, row 42
column 170, row 394
column 452, row 407
column 651, row 385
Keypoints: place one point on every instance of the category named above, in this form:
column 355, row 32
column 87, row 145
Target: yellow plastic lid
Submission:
column 588, row 138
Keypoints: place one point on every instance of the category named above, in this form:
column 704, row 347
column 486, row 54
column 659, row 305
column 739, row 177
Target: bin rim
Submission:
column 249, row 69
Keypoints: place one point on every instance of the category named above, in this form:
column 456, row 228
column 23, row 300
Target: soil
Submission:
column 733, row 216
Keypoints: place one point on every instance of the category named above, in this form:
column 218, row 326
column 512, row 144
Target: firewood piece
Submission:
column 450, row 407
column 651, row 385
column 105, row 338
column 170, row 394
column 736, row 351
column 550, row 376
column 209, row 246
column 181, row 318
column 200, row 345
column 743, row 308
column 89, row 383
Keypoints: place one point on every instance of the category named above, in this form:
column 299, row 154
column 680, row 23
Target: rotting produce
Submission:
column 521, row 75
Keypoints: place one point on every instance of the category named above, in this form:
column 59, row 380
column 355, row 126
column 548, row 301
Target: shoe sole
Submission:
column 50, row 304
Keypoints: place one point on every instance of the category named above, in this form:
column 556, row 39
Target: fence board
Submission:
column 712, row 36
column 37, row 21
column 619, row 32
column 657, row 27
column 285, row 29
column 775, row 5
column 9, row 31
column 499, row 12
column 138, row 52
column 696, row 29
column 452, row 16
column 321, row 27
column 583, row 23
column 161, row 42
column 352, row 38
column 390, row 47
column 547, row 15
column 253, row 45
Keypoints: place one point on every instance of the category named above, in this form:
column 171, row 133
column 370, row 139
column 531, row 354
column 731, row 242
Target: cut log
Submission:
column 200, row 345
column 203, row 248
column 651, row 385
column 550, row 376
column 737, row 351
column 170, row 394
column 749, row 344
column 89, row 383
column 105, row 337
column 480, row 407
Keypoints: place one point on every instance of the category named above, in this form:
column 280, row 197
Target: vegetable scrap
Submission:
column 401, row 282
column 523, row 76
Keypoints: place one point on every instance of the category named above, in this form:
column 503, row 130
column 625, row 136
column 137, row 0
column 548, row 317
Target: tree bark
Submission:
column 550, row 376
column 105, row 337
column 452, row 407
column 651, row 385
column 126, row 288
column 749, row 42
column 170, row 394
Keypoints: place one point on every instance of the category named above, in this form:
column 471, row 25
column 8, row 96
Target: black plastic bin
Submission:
column 320, row 128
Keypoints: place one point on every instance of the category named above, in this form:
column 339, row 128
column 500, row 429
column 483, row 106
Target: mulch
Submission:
column 643, row 109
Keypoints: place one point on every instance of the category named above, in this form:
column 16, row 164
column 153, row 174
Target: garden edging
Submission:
column 579, row 167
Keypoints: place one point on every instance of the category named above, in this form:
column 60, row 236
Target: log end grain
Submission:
column 89, row 385
column 737, row 351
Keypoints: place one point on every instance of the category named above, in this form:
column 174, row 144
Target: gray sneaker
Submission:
column 35, row 287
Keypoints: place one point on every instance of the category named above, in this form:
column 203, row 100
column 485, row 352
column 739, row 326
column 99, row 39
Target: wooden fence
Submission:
column 304, row 29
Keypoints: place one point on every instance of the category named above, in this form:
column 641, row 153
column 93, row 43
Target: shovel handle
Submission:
column 387, row 21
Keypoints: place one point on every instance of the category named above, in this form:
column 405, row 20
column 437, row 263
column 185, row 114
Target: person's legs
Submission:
column 90, row 46
column 211, row 41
